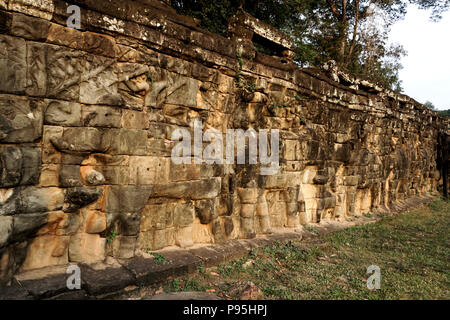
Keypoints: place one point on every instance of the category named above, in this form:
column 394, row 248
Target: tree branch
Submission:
column 355, row 30
column 333, row 8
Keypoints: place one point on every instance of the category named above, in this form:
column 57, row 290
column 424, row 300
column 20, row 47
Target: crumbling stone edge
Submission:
column 109, row 279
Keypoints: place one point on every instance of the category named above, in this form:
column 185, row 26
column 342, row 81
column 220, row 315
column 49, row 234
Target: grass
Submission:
column 412, row 251
column 159, row 258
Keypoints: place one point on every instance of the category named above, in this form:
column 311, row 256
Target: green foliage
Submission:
column 411, row 250
column 111, row 237
column 311, row 229
column 251, row 87
column 437, row 7
column 237, row 76
column 323, row 30
column 445, row 113
column 159, row 258
column 214, row 15
column 429, row 105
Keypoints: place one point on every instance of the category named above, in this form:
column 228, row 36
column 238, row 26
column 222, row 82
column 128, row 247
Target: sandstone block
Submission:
column 351, row 180
column 183, row 237
column 87, row 248
column 25, row 225
column 156, row 216
column 64, row 69
column 248, row 210
column 99, row 44
column 62, row 36
column 206, row 210
column 62, row 113
column 79, row 197
column 183, row 214
column 132, row 119
column 248, row 195
column 21, row 119
column 99, row 81
column 19, row 166
column 69, row 176
column 36, row 200
column 149, row 170
column 196, row 190
column 127, row 198
column 29, row 27
column 125, row 141
column 80, row 139
column 99, row 116
column 6, row 229
column 201, row 233
column 124, row 247
column 94, row 221
column 46, row 251
column 42, row 8
column 13, row 65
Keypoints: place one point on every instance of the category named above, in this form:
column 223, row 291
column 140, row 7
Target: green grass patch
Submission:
column 412, row 251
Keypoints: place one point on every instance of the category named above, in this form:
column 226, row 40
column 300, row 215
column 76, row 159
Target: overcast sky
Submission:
column 426, row 72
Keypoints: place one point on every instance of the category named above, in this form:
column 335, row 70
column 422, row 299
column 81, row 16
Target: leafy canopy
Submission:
column 354, row 33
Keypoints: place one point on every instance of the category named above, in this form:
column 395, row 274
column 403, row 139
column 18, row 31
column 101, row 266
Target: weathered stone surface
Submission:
column 21, row 119
column 27, row 224
column 36, row 69
column 183, row 214
column 127, row 198
column 101, row 278
column 32, row 200
column 94, row 221
column 19, row 166
column 125, row 142
column 177, row 263
column 149, row 170
column 61, row 35
column 14, row 292
column 206, row 210
column 87, row 248
column 80, row 197
column 157, row 216
column 200, row 189
column 99, row 44
column 124, row 247
column 125, row 204
column 98, row 116
column 29, row 27
column 86, row 124
column 99, row 81
column 62, row 113
column 41, row 8
column 63, row 73
column 13, row 64
column 6, row 229
column 44, row 283
column 46, row 251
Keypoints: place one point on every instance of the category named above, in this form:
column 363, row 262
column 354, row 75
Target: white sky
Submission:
column 426, row 68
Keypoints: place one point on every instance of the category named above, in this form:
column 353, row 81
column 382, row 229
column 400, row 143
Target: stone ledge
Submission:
column 103, row 280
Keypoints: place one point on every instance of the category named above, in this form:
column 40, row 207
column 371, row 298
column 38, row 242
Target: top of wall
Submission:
column 155, row 24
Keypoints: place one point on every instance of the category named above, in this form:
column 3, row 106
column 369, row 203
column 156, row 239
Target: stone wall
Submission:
column 86, row 118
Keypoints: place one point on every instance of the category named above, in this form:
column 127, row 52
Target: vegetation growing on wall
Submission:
column 352, row 32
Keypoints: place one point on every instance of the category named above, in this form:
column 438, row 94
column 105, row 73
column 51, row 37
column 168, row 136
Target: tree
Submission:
column 429, row 105
column 445, row 113
column 354, row 33
column 437, row 7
